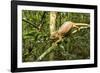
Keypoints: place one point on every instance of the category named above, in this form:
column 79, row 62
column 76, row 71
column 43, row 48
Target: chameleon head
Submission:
column 54, row 35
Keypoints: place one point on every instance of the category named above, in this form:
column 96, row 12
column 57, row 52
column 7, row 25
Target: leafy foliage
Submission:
column 37, row 40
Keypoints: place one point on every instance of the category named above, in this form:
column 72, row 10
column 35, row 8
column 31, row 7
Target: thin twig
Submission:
column 41, row 21
column 81, row 24
column 33, row 25
column 79, row 29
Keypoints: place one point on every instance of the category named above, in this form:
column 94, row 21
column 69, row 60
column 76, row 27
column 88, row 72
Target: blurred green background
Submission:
column 36, row 41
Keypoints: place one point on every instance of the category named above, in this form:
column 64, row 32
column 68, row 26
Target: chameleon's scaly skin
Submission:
column 65, row 27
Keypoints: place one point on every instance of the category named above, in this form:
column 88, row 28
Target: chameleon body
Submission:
column 66, row 27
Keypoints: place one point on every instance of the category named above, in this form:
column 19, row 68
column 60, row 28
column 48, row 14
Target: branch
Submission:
column 30, row 23
column 41, row 21
column 47, row 52
column 80, row 29
column 81, row 24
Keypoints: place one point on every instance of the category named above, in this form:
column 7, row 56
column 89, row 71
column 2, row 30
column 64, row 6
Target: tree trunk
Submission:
column 52, row 29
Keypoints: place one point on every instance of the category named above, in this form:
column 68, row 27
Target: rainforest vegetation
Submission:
column 36, row 37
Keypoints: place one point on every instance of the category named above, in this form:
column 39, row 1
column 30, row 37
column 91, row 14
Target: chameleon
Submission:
column 65, row 28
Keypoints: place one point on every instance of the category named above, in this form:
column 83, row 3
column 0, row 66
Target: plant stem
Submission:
column 33, row 25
